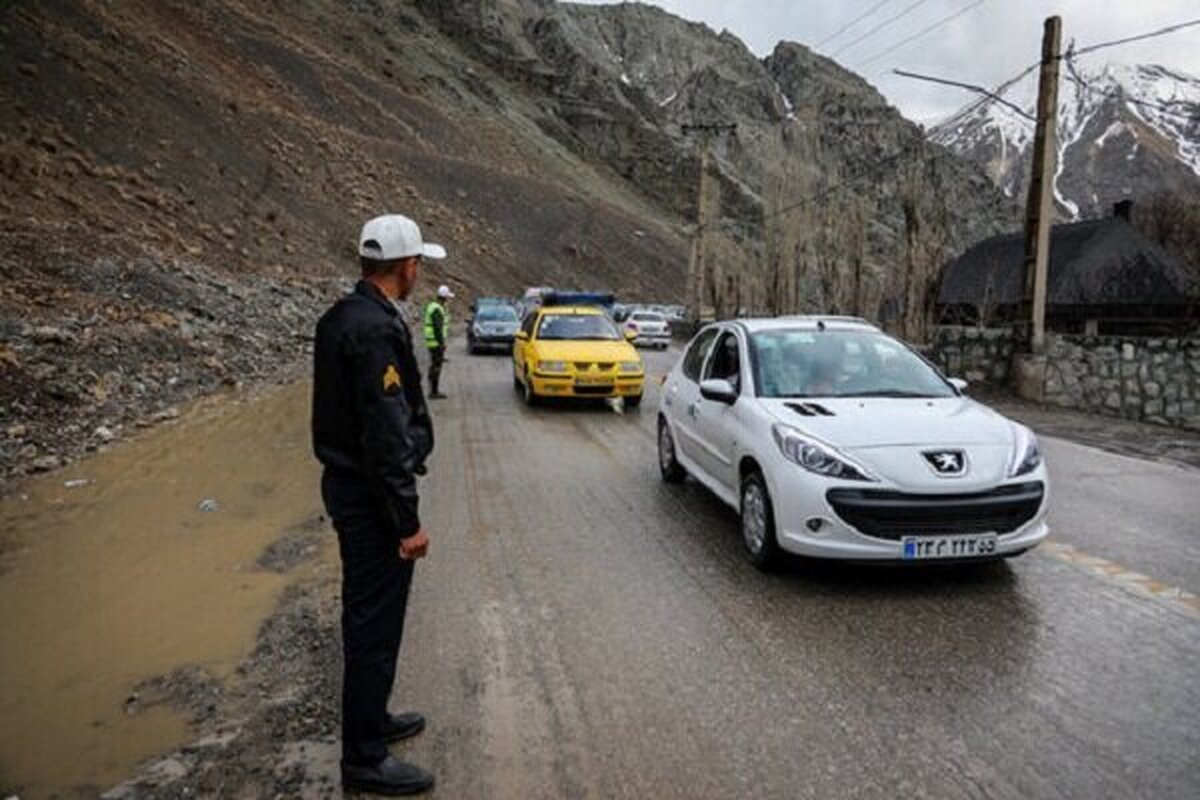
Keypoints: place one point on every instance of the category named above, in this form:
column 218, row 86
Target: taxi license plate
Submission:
column 593, row 381
column 974, row 545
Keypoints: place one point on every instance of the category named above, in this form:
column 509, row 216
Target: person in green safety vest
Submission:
column 437, row 332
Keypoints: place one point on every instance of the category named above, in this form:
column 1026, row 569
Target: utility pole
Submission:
column 697, row 262
column 1039, row 205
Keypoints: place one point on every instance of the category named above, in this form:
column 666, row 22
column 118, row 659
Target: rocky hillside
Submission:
column 167, row 168
column 1124, row 131
column 828, row 197
column 181, row 186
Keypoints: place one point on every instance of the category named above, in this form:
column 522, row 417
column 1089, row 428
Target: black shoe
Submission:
column 402, row 726
column 391, row 777
column 436, row 396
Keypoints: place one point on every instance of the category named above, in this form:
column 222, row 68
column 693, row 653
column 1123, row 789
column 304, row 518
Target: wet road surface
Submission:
column 583, row 630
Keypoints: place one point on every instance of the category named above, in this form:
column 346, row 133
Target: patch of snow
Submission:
column 789, row 110
column 668, row 100
column 1112, row 130
column 1176, row 92
column 1165, row 100
column 625, row 79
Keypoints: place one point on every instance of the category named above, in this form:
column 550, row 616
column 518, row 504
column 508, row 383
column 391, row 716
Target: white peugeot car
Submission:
column 835, row 440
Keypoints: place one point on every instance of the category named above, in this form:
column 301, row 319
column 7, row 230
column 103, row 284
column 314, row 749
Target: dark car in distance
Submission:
column 492, row 328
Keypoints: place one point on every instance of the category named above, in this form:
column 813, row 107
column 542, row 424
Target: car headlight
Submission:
column 1026, row 455
column 631, row 366
column 814, row 456
column 552, row 366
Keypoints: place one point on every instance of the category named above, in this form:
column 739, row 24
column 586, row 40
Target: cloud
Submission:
column 985, row 45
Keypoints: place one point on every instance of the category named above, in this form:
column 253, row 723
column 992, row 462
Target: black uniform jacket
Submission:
column 369, row 415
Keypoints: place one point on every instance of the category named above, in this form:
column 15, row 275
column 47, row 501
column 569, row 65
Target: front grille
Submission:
column 602, row 366
column 893, row 515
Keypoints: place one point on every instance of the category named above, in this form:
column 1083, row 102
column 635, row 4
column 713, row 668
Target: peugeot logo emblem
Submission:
column 946, row 463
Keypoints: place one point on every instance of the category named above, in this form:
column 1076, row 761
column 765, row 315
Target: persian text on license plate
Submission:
column 974, row 545
column 587, row 381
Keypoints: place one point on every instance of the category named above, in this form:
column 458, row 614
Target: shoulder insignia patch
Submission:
column 391, row 378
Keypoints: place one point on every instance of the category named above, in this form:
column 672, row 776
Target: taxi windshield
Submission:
column 591, row 327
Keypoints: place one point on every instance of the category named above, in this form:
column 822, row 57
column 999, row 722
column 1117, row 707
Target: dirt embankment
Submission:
column 181, row 186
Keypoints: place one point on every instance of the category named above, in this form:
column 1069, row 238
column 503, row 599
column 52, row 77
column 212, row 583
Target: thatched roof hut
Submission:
column 1102, row 272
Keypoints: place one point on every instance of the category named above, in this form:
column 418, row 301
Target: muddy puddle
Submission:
column 112, row 575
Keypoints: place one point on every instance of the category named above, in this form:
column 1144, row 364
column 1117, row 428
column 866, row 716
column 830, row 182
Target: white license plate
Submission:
column 973, row 545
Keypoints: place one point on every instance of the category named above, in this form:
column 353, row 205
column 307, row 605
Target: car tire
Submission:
column 758, row 523
column 633, row 401
column 517, row 386
column 531, row 397
column 668, row 464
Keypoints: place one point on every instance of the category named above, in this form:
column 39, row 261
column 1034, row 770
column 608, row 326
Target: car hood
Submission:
column 855, row 423
column 892, row 438
column 586, row 351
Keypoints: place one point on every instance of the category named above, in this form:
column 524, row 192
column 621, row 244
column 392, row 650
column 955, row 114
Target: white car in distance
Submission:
column 834, row 440
column 650, row 328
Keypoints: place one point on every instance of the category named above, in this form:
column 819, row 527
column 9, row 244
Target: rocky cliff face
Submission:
column 1125, row 131
column 829, row 199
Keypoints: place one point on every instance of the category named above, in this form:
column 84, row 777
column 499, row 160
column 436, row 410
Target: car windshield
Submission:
column 808, row 363
column 497, row 314
column 577, row 326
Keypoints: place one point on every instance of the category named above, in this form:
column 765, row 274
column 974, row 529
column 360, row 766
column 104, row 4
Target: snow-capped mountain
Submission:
column 1123, row 131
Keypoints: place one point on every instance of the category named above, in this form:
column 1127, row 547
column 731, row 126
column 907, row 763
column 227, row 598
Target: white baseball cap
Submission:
column 444, row 291
column 394, row 236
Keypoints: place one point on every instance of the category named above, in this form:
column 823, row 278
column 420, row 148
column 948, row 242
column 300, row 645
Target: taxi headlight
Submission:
column 631, row 366
column 552, row 366
column 815, row 456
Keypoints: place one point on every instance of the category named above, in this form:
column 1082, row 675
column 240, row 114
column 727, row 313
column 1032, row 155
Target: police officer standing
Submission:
column 372, row 433
column 437, row 331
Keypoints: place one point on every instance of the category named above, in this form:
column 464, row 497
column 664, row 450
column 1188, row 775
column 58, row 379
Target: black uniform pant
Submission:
column 437, row 356
column 375, row 584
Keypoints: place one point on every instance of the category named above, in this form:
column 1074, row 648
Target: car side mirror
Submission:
column 959, row 384
column 719, row 391
column 523, row 336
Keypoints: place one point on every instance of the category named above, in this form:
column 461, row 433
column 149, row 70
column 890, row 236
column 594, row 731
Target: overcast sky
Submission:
column 987, row 44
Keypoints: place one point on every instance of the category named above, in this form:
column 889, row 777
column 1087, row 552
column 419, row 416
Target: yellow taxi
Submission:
column 575, row 351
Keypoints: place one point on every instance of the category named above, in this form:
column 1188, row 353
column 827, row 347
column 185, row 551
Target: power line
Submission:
column 995, row 94
column 943, row 21
column 853, row 22
column 828, row 190
column 1076, row 78
column 880, row 26
column 970, row 86
column 983, row 102
column 1150, row 35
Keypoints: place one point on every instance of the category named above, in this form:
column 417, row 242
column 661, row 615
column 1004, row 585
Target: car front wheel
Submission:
column 758, row 523
column 668, row 465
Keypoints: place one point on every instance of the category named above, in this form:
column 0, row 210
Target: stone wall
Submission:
column 1146, row 378
column 980, row 355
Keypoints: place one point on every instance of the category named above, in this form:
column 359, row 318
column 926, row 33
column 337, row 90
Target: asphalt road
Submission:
column 583, row 630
